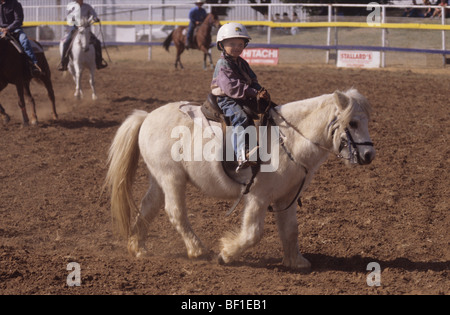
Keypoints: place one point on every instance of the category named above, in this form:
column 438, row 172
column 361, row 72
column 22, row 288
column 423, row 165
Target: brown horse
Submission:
column 202, row 39
column 14, row 70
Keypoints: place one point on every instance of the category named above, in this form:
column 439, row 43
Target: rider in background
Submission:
column 196, row 17
column 11, row 20
column 87, row 13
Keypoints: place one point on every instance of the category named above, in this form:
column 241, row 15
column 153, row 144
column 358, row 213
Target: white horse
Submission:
column 311, row 129
column 82, row 57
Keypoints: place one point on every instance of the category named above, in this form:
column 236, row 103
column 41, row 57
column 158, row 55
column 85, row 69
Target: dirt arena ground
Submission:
column 394, row 212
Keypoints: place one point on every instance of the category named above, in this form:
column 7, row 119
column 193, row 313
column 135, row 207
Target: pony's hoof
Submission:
column 199, row 253
column 135, row 249
column 223, row 261
column 300, row 265
column 220, row 260
column 6, row 119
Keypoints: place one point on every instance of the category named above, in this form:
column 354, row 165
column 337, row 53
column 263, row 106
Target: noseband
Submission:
column 352, row 147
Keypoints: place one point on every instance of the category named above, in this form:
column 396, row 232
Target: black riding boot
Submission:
column 98, row 54
column 64, row 59
column 63, row 65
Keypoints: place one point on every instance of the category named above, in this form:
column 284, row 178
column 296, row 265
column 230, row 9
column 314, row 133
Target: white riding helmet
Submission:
column 232, row 30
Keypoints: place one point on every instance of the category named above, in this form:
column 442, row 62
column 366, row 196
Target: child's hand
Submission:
column 263, row 94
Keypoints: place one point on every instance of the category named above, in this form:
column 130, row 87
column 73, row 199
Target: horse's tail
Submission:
column 167, row 41
column 123, row 161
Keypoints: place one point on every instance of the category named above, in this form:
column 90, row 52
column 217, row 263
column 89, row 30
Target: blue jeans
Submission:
column 239, row 120
column 190, row 33
column 23, row 39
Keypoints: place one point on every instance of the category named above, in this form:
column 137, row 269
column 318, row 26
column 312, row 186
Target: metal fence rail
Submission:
column 146, row 23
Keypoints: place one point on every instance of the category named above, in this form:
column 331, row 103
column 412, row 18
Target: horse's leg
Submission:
column 175, row 205
column 205, row 55
column 150, row 206
column 211, row 63
column 92, row 83
column 5, row 116
column 250, row 234
column 288, row 231
column 34, row 120
column 19, row 88
column 76, row 73
column 180, row 49
column 46, row 78
column 51, row 93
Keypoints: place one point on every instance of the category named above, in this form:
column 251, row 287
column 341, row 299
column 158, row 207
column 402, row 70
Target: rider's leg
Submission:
column 189, row 35
column 98, row 53
column 25, row 43
column 240, row 122
column 65, row 54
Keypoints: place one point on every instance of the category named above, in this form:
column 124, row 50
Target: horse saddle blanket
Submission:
column 194, row 111
column 37, row 48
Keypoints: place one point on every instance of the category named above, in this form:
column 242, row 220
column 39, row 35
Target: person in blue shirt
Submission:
column 196, row 17
column 11, row 20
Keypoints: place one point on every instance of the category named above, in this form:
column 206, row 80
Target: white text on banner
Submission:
column 358, row 59
column 266, row 56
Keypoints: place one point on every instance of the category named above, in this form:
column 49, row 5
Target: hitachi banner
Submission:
column 266, row 56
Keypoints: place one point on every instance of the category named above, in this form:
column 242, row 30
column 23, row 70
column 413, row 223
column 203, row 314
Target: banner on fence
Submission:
column 358, row 59
column 266, row 56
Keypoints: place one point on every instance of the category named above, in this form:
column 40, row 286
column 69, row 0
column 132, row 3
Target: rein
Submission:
column 350, row 144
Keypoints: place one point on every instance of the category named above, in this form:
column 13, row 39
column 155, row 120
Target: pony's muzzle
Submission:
column 367, row 156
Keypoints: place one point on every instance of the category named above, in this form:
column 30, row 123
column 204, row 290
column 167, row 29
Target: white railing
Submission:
column 146, row 18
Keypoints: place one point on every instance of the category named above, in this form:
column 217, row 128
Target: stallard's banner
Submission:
column 265, row 56
column 358, row 59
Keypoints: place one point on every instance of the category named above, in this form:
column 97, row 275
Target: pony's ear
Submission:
column 341, row 99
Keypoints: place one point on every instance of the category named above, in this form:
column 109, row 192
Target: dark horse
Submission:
column 14, row 69
column 202, row 39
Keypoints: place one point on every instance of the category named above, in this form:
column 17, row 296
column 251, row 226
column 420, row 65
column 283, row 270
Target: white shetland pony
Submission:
column 311, row 129
column 82, row 57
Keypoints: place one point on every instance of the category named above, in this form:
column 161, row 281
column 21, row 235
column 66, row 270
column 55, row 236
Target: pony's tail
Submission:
column 123, row 161
column 167, row 41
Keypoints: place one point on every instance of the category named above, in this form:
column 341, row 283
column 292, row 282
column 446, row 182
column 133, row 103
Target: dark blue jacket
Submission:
column 197, row 15
column 11, row 15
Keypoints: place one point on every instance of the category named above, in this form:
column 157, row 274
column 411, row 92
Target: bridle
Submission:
column 345, row 143
column 352, row 147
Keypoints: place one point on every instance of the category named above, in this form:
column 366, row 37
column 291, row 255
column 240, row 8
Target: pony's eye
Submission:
column 353, row 124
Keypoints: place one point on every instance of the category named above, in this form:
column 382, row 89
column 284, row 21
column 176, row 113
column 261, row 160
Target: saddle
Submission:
column 15, row 42
column 212, row 111
column 256, row 110
column 37, row 48
column 193, row 43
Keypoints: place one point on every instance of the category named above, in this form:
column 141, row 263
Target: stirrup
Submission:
column 103, row 64
column 36, row 70
column 246, row 163
column 62, row 67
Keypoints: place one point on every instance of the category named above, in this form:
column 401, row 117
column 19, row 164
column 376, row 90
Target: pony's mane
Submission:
column 357, row 103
